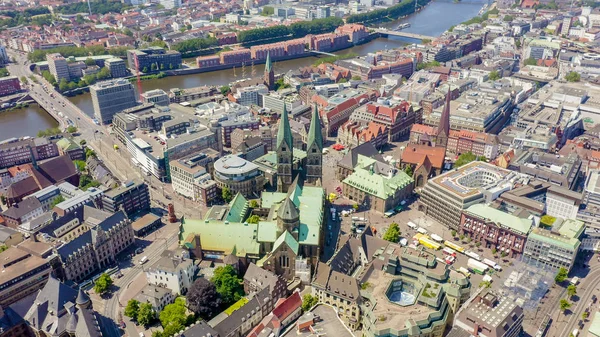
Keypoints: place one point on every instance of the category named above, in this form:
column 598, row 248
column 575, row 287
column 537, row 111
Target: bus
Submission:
column 473, row 255
column 454, row 246
column 449, row 251
column 425, row 241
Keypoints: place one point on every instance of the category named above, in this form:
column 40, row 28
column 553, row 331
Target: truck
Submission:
column 449, row 251
column 477, row 267
column 473, row 255
column 412, row 225
column 464, row 271
column 422, row 230
column 425, row 241
column 454, row 246
column 492, row 264
column 437, row 238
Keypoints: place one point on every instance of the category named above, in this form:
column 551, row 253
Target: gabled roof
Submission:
column 289, row 240
column 238, row 207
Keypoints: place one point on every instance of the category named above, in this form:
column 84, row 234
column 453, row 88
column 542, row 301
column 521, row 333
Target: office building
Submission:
column 156, row 96
column 111, row 97
column 9, row 85
column 556, row 248
column 562, row 202
column 173, row 270
column 131, row 197
column 186, row 171
column 117, row 67
column 239, row 175
column 445, row 196
column 23, row 273
column 16, row 152
column 59, row 68
column 95, row 249
column 495, row 229
column 154, row 58
column 490, row 315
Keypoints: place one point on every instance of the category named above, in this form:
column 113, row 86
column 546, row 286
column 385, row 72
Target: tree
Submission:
column 530, row 62
column 309, row 301
column 573, row 77
column 203, row 298
column 518, row 43
column 564, row 305
column 267, row 10
column 71, row 129
column 585, row 315
column 466, row 158
column 494, row 75
column 24, row 80
column 508, row 18
column 408, row 170
column 146, row 314
column 392, row 234
column 228, row 284
column 453, row 233
column 254, row 204
column 461, row 237
column 145, row 70
column 571, row 290
column 80, row 164
column 547, row 220
column 355, row 207
column 90, row 62
column 226, row 194
column 173, row 316
column 3, row 199
column 3, row 248
column 253, row 219
column 494, row 250
column 132, row 308
column 426, row 41
column 57, row 201
column 561, row 276
column 89, row 153
column 63, row 85
column 103, row 283
column 485, row 284
column 225, row 90
column 356, row 78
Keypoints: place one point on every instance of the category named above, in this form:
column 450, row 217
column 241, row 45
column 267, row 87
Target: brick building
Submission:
column 9, row 85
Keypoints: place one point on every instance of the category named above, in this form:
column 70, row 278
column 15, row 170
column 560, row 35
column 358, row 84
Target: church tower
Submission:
column 285, row 153
column 269, row 74
column 314, row 150
column 443, row 131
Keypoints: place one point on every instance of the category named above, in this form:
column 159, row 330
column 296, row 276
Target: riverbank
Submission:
column 25, row 121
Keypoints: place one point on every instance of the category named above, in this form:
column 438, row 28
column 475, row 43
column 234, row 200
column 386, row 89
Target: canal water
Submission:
column 25, row 122
column 432, row 20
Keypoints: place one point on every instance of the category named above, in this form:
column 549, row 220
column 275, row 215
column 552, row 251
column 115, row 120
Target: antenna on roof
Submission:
column 89, row 7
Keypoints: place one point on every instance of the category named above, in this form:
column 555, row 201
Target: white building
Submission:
column 251, row 95
column 173, row 270
column 562, row 202
column 170, row 4
column 157, row 297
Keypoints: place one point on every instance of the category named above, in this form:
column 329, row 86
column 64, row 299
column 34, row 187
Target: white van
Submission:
column 144, row 259
column 421, row 230
column 412, row 225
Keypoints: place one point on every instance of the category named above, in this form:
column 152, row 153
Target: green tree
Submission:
column 90, row 62
column 461, row 237
column 494, row 75
column 146, row 315
column 24, row 80
column 564, row 305
column 253, row 219
column 80, row 164
column 254, row 204
column 225, row 90
column 228, row 284
column 355, row 207
column 132, row 308
column 585, row 315
column 71, row 129
column 392, row 234
column 267, row 11
column 518, row 43
column 508, row 18
column 466, row 158
column 453, row 233
column 408, row 170
column 173, row 316
column 3, row 72
column 309, row 301
column 426, row 41
column 145, row 70
column 573, row 77
column 530, row 62
column 3, row 248
column 561, row 275
column 428, row 65
column 547, row 220
column 494, row 250
column 103, row 283
column 89, row 153
column 485, row 284
column 571, row 290
column 226, row 194
column 63, row 85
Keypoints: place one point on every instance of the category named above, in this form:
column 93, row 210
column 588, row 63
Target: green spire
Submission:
column 284, row 134
column 268, row 65
column 315, row 134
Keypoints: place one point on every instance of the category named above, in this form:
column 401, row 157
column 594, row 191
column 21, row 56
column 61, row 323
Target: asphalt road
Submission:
column 589, row 285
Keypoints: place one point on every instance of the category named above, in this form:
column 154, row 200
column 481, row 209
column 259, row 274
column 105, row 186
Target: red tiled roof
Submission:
column 415, row 154
column 423, row 129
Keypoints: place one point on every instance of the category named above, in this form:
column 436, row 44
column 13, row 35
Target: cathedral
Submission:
column 309, row 170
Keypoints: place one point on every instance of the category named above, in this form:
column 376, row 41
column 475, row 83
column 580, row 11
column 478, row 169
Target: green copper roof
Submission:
column 66, row 144
column 267, row 231
column 284, row 134
column 223, row 236
column 520, row 225
column 550, row 238
column 380, row 185
column 572, row 228
column 289, row 240
column 595, row 325
column 315, row 134
column 268, row 65
column 238, row 207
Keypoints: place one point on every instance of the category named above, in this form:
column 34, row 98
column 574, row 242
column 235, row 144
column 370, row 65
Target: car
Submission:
column 138, row 250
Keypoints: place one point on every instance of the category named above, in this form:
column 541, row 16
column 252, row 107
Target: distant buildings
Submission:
column 9, row 85
column 111, row 97
column 59, row 67
column 154, row 58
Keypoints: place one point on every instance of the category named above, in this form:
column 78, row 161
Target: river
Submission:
column 25, row 122
column 432, row 20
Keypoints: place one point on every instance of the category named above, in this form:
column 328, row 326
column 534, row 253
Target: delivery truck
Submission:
column 477, row 267
column 492, row 264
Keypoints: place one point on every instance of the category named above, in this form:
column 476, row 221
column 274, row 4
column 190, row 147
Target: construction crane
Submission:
column 137, row 71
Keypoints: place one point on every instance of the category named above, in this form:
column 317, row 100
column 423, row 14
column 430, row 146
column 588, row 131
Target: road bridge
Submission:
column 383, row 32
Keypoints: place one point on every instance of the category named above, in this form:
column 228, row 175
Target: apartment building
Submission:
column 24, row 273
column 9, row 85
column 16, row 152
column 156, row 96
column 117, row 67
column 153, row 59
column 184, row 173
